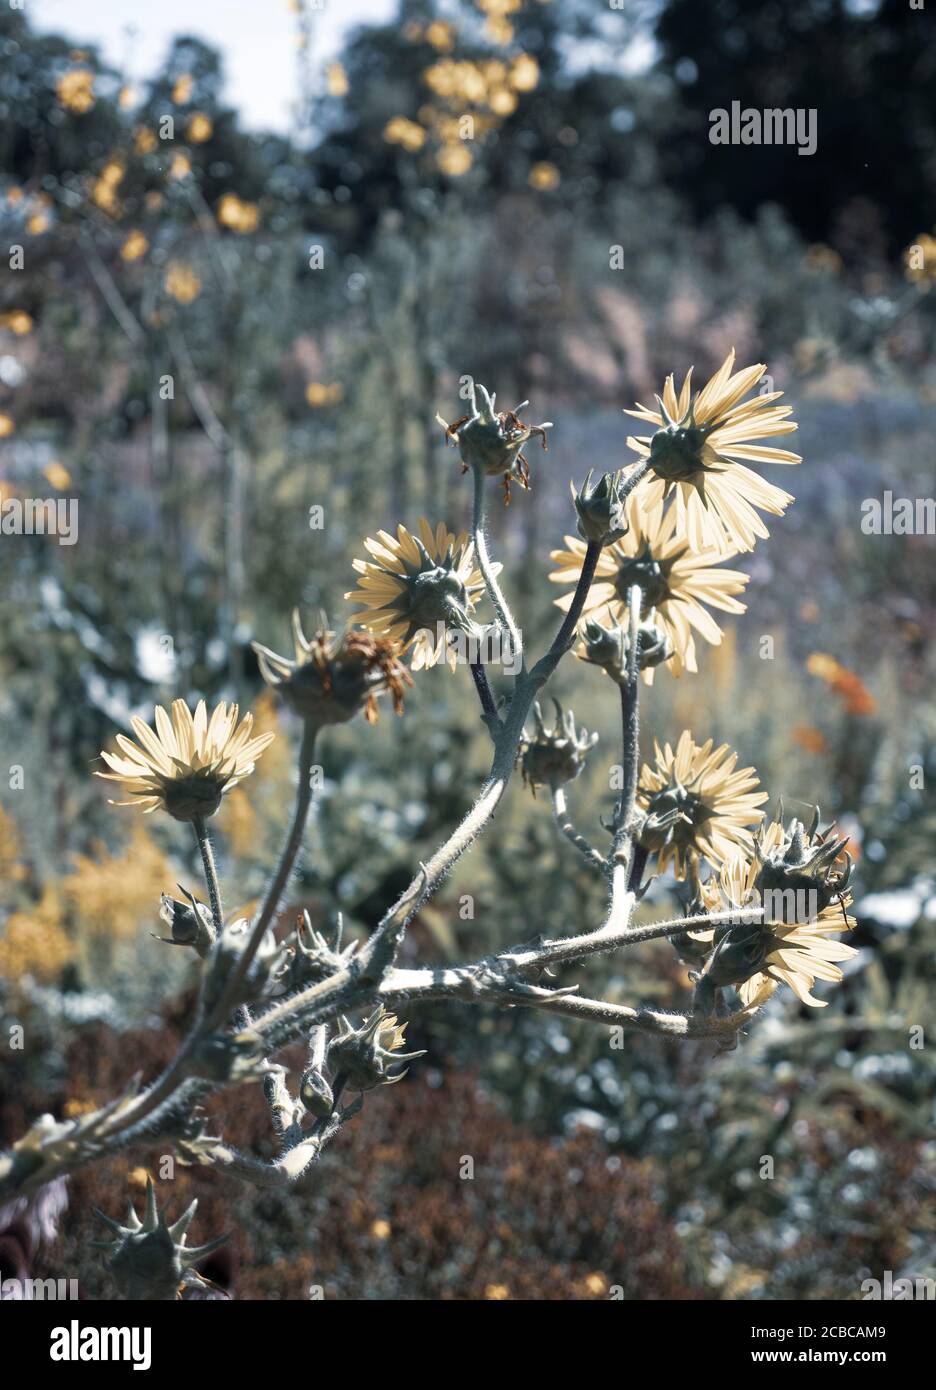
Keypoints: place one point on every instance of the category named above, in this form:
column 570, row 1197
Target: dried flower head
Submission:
column 368, row 1056
column 494, row 441
column 675, row 582
column 332, row 678
column 417, row 588
column 695, row 451
column 188, row 764
column 696, row 805
column 550, row 757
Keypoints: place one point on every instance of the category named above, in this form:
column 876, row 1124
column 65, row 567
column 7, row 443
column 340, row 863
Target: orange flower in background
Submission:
column 810, row 739
column 850, row 688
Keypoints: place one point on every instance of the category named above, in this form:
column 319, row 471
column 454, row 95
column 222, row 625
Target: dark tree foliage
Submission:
column 870, row 72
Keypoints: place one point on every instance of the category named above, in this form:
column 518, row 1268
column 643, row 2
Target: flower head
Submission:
column 695, row 451
column 331, row 679
column 549, row 757
column 367, row 1056
column 676, row 583
column 769, row 945
column 697, row 805
column 188, row 764
column 493, row 441
column 417, row 588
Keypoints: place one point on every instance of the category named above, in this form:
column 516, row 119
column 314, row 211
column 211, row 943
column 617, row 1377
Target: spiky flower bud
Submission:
column 190, row 923
column 366, row 1057
column 803, row 875
column 608, row 647
column 316, row 1094
column 601, row 511
column 493, row 442
column 332, row 678
column 550, row 757
column 149, row 1260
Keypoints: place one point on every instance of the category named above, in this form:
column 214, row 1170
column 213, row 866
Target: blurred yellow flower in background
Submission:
column 134, row 246
column 33, row 942
column 544, row 176
column 454, row 159
column 144, row 140
column 237, row 215
column 182, row 89
column 75, row 90
column 58, row 475
column 181, row 282
column 7, row 427
column 199, row 128
column 400, row 131
column 17, row 321
column 319, row 393
column 336, row 80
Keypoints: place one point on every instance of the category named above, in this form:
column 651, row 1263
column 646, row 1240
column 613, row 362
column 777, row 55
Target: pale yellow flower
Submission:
column 676, row 582
column 697, row 805
column 187, row 765
column 694, row 456
column 416, row 587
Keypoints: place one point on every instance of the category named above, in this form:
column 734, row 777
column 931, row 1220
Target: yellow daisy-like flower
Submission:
column 188, row 764
column 697, row 805
column 695, row 451
column 796, row 955
column 675, row 581
column 417, row 587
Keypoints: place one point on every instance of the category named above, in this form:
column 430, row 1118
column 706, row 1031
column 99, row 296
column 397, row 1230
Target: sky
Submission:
column 255, row 37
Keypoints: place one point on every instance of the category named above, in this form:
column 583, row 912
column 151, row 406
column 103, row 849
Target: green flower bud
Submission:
column 600, row 509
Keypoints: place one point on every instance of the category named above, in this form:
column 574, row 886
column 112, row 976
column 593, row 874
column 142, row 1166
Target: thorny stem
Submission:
column 211, row 873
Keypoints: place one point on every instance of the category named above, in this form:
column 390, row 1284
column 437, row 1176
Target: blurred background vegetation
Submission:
column 215, row 332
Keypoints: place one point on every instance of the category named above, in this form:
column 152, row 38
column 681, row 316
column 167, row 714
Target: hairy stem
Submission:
column 284, row 868
column 211, row 873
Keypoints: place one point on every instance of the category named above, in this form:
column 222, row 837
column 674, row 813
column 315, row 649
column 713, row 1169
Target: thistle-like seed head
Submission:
column 493, row 441
column 150, row 1260
column 332, row 678
column 804, row 874
column 189, row 922
column 368, row 1056
column 550, row 757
